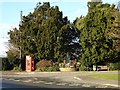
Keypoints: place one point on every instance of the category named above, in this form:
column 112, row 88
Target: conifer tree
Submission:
column 44, row 33
column 97, row 45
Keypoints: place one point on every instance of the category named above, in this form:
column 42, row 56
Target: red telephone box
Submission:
column 29, row 63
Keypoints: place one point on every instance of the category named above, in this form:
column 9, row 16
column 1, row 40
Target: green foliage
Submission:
column 10, row 63
column 47, row 65
column 85, row 68
column 54, row 67
column 114, row 30
column 14, row 37
column 45, row 34
column 43, row 64
column 6, row 64
column 68, row 39
column 62, row 65
column 13, row 57
column 114, row 66
column 16, row 68
column 97, row 45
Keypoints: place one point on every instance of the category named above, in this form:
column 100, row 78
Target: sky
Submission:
column 10, row 14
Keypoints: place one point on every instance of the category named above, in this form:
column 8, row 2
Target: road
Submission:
column 8, row 85
column 12, row 85
column 40, row 83
column 54, row 81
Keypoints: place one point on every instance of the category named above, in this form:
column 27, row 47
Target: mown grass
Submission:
column 106, row 76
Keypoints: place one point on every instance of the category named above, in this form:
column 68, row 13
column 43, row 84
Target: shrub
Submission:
column 43, row 64
column 6, row 64
column 50, row 69
column 85, row 68
column 114, row 66
column 16, row 68
column 47, row 65
column 62, row 65
column 55, row 66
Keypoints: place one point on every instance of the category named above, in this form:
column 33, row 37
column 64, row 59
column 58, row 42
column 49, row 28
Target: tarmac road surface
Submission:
column 8, row 85
column 54, row 81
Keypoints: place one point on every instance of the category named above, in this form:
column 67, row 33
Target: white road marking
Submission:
column 61, row 84
column 27, row 81
column 85, row 85
column 73, row 84
column 111, row 85
column 100, row 86
column 49, row 83
column 77, row 78
column 38, row 81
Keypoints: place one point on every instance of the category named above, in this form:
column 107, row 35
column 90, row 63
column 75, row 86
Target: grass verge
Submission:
column 106, row 76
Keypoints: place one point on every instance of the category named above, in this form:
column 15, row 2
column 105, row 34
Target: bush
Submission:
column 47, row 65
column 55, row 66
column 114, row 66
column 43, row 64
column 62, row 65
column 85, row 68
column 16, row 68
column 6, row 65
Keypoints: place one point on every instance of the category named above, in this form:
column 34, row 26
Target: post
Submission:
column 67, row 58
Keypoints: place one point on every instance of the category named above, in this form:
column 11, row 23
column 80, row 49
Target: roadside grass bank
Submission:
column 106, row 76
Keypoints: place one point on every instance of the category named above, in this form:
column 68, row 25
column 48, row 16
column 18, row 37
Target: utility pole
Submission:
column 20, row 32
column 20, row 40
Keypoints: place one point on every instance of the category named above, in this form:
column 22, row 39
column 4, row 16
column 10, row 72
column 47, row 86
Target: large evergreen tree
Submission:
column 39, row 31
column 97, row 45
column 69, row 40
column 114, row 33
column 45, row 34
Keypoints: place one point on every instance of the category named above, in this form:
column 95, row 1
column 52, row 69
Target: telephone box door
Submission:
column 28, row 63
